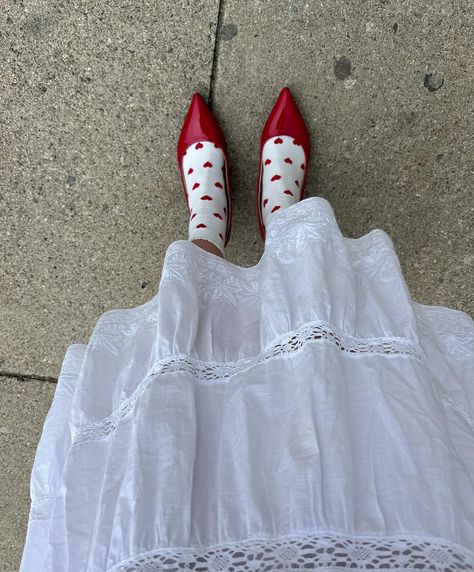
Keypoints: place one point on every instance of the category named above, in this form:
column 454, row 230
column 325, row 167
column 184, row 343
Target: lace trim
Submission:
column 221, row 372
column 323, row 551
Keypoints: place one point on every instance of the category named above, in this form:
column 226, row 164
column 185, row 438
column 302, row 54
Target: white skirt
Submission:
column 301, row 414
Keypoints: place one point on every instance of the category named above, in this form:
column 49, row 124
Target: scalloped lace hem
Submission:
column 206, row 372
column 325, row 551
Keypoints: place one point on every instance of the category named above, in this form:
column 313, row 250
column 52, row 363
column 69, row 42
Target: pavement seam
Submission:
column 28, row 377
column 215, row 56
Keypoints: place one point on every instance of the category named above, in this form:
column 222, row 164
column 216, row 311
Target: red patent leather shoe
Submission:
column 284, row 119
column 200, row 125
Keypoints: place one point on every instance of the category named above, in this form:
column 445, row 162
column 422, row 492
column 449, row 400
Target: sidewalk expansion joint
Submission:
column 210, row 99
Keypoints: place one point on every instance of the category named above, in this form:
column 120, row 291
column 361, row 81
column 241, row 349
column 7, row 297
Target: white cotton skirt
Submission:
column 301, row 414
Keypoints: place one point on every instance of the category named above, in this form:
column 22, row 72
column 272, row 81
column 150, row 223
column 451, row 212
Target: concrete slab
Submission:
column 93, row 97
column 23, row 409
column 386, row 89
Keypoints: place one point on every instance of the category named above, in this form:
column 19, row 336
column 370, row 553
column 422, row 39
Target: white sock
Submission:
column 284, row 165
column 203, row 169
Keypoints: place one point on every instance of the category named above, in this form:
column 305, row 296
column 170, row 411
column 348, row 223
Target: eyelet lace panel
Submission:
column 319, row 551
column 221, row 372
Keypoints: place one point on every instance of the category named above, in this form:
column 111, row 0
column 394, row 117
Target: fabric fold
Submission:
column 264, row 416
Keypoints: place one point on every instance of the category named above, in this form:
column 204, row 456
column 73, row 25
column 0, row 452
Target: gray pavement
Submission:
column 23, row 408
column 93, row 96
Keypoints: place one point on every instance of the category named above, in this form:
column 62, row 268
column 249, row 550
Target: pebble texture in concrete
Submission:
column 93, row 97
column 23, row 409
column 387, row 90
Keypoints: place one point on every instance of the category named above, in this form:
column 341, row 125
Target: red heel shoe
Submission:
column 285, row 119
column 200, row 125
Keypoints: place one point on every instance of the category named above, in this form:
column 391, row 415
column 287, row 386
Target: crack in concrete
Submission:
column 28, row 377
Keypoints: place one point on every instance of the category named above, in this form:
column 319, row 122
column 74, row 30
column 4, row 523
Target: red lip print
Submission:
column 288, row 192
column 265, row 202
column 302, row 166
column 193, row 216
column 217, row 215
column 196, row 185
column 267, row 162
column 207, row 165
column 289, row 161
column 199, row 146
column 278, row 141
column 218, row 185
column 275, row 178
column 201, row 225
column 206, row 198
column 297, row 183
column 275, row 208
column 225, row 212
column 190, row 171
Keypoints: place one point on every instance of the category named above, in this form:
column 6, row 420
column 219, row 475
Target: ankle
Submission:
column 209, row 246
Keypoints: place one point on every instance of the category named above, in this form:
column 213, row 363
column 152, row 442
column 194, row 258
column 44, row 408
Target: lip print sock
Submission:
column 284, row 165
column 203, row 170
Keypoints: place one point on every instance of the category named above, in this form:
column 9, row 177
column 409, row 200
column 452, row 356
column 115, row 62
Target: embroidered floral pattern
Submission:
column 42, row 508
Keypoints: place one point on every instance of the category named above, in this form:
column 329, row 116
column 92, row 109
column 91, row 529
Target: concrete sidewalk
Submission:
column 94, row 94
